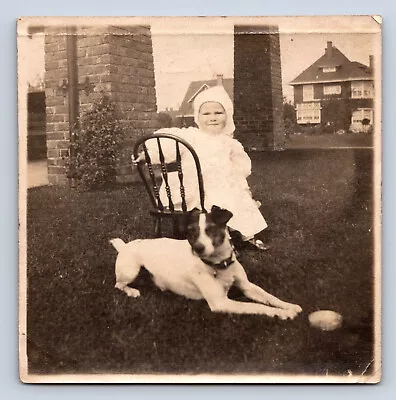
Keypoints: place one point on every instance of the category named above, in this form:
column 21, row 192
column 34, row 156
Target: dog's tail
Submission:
column 118, row 244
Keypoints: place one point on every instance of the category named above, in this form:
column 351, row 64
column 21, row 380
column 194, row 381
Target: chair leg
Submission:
column 157, row 227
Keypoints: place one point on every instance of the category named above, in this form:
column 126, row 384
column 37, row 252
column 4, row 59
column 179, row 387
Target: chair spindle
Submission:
column 180, row 175
column 164, row 172
column 152, row 177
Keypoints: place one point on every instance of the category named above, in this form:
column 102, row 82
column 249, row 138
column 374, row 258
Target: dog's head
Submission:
column 206, row 232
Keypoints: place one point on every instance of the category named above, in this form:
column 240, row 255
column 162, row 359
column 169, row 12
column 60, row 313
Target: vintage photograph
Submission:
column 199, row 199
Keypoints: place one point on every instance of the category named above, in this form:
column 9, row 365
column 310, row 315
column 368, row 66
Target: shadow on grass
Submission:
column 319, row 207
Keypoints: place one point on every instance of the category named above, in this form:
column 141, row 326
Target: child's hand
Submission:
column 138, row 159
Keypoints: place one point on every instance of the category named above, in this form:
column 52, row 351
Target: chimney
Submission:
column 329, row 49
column 371, row 62
column 219, row 80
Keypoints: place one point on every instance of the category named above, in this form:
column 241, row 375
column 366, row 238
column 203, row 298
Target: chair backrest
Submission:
column 150, row 180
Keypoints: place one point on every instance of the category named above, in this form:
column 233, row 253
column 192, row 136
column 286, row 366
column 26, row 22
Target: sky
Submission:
column 183, row 54
column 198, row 49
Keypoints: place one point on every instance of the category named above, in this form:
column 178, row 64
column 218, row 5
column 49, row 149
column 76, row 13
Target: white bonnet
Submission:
column 219, row 95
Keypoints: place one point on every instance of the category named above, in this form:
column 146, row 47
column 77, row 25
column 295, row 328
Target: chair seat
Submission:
column 166, row 212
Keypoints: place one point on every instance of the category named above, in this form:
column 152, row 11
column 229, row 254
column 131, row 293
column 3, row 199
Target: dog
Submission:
column 204, row 266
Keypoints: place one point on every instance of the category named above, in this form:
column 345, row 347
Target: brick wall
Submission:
column 114, row 61
column 258, row 95
column 57, row 122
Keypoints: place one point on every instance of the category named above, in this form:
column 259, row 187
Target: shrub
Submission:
column 289, row 117
column 290, row 127
column 365, row 121
column 164, row 120
column 310, row 129
column 95, row 148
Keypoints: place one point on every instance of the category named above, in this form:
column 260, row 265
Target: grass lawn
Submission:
column 322, row 141
column 318, row 204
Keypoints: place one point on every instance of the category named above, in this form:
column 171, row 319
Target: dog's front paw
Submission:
column 289, row 313
column 296, row 308
column 132, row 292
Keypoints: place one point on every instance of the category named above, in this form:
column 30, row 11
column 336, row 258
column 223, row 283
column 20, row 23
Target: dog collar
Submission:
column 222, row 264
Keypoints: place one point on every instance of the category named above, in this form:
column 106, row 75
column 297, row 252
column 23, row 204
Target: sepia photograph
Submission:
column 200, row 199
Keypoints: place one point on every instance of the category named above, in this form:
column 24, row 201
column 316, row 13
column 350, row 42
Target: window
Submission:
column 362, row 113
column 362, row 90
column 329, row 69
column 358, row 116
column 308, row 113
column 331, row 89
column 308, row 93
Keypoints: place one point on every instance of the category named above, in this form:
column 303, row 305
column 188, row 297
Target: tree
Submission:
column 289, row 117
column 164, row 120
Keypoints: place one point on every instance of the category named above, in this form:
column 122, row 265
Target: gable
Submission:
column 345, row 69
column 201, row 89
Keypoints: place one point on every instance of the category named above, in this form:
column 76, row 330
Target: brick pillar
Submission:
column 258, row 97
column 112, row 61
column 57, row 117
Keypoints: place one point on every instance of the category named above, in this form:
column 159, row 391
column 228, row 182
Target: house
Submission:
column 186, row 112
column 335, row 93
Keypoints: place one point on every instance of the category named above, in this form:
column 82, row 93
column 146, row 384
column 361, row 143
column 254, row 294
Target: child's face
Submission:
column 212, row 117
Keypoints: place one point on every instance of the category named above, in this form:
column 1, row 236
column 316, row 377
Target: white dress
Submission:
column 225, row 167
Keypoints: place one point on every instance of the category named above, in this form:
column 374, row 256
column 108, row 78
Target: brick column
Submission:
column 258, row 97
column 57, row 117
column 112, row 61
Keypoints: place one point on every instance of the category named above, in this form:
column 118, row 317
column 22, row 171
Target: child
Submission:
column 225, row 165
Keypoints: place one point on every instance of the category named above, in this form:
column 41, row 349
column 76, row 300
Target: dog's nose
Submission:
column 199, row 248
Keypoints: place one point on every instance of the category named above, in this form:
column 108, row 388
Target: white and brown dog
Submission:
column 202, row 267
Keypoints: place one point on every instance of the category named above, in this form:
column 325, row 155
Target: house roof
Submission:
column 195, row 87
column 346, row 70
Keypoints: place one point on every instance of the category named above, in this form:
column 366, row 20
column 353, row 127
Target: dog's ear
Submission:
column 186, row 219
column 220, row 215
column 192, row 215
column 194, row 212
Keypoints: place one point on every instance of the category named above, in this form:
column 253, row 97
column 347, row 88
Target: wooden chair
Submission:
column 152, row 180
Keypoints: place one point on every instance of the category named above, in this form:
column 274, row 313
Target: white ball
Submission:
column 326, row 320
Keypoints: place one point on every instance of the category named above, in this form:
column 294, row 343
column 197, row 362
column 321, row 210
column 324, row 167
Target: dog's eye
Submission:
column 217, row 235
column 191, row 229
column 211, row 230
